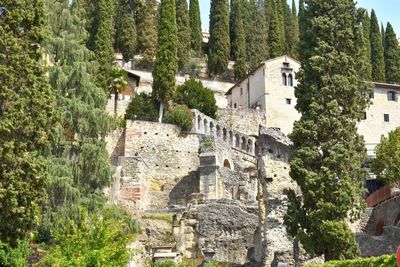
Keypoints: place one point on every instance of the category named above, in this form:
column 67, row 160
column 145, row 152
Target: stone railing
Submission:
column 203, row 124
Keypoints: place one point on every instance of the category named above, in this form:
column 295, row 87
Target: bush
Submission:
column 194, row 95
column 383, row 261
column 14, row 257
column 142, row 107
column 180, row 115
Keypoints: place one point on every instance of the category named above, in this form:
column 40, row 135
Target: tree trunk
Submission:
column 161, row 112
column 115, row 102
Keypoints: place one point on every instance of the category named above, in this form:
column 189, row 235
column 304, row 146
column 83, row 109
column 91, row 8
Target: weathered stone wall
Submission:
column 243, row 120
column 115, row 145
column 386, row 243
column 123, row 102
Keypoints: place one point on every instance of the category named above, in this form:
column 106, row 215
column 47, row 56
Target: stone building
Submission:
column 271, row 88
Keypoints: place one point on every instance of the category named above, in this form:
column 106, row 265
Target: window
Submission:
column 286, row 64
column 241, row 91
column 234, row 105
column 371, row 95
column 364, row 117
column 392, row 96
column 288, row 101
column 290, row 80
column 284, row 79
column 386, row 117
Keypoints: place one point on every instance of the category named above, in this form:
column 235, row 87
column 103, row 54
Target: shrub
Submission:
column 14, row 257
column 194, row 95
column 383, row 261
column 142, row 107
column 180, row 115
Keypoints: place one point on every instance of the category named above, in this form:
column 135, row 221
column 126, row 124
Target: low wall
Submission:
column 247, row 121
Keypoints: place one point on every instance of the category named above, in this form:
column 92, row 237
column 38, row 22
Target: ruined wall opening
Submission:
column 227, row 164
column 237, row 139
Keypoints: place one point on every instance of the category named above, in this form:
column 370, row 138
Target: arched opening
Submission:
column 224, row 134
column 211, row 128
column 284, row 79
column 205, row 126
column 231, row 138
column 218, row 131
column 227, row 164
column 237, row 138
column 250, row 146
column 290, row 80
column 199, row 122
column 244, row 143
column 379, row 227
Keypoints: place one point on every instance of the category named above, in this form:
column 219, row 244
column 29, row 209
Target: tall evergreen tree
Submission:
column 196, row 36
column 239, row 43
column 166, row 65
column 363, row 19
column 146, row 21
column 392, row 56
column 27, row 112
column 182, row 21
column 79, row 164
column 383, row 33
column 275, row 37
column 219, row 43
column 327, row 163
column 257, row 49
column 292, row 32
column 301, row 18
column 126, row 37
column 377, row 57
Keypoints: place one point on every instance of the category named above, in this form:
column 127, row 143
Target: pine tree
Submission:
column 377, row 57
column 257, row 49
column 219, row 43
column 126, row 37
column 182, row 21
column 27, row 113
column 103, row 41
column 239, row 43
column 166, row 65
column 195, row 26
column 328, row 157
column 392, row 56
column 364, row 21
column 146, row 21
column 275, row 38
column 79, row 166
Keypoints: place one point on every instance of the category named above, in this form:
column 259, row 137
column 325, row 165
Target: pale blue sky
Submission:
column 386, row 10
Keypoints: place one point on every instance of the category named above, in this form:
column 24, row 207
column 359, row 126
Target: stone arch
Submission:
column 227, row 164
column 218, row 131
column 224, row 135
column 205, row 126
column 237, row 141
column 211, row 128
column 243, row 143
column 199, row 122
column 250, row 146
column 231, row 138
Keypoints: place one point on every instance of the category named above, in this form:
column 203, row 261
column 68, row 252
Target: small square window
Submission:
column 386, row 117
column 392, row 96
column 288, row 101
column 286, row 64
column 371, row 95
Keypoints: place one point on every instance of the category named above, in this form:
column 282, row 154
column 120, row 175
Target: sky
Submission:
column 386, row 10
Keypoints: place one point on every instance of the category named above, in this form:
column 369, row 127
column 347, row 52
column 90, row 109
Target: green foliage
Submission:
column 166, row 65
column 238, row 39
column 219, row 43
column 142, row 107
column 14, row 257
column 382, row 261
column 392, row 56
column 386, row 165
column 27, row 114
column 194, row 95
column 181, row 116
column 182, row 21
column 363, row 19
column 196, row 35
column 160, row 217
column 126, row 36
column 96, row 240
column 292, row 32
column 119, row 81
column 275, row 34
column 327, row 163
column 377, row 54
column 146, row 20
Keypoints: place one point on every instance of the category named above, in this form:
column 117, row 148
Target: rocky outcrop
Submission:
column 387, row 243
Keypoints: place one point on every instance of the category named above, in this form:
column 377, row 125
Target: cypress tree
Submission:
column 239, row 43
column 182, row 21
column 126, row 37
column 27, row 112
column 146, row 21
column 328, row 157
column 257, row 49
column 301, row 18
column 364, row 21
column 275, row 38
column 292, row 32
column 166, row 65
column 392, row 56
column 103, row 41
column 232, row 28
column 79, row 165
column 383, row 33
column 219, row 43
column 377, row 57
column 196, row 36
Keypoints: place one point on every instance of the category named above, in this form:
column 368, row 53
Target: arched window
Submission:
column 290, row 80
column 284, row 79
column 227, row 164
